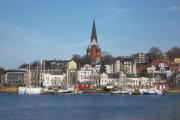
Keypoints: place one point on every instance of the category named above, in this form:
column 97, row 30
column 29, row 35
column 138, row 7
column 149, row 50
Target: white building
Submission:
column 125, row 64
column 141, row 58
column 54, row 80
column 87, row 73
column 116, row 66
column 160, row 69
column 108, row 69
column 133, row 81
column 106, row 79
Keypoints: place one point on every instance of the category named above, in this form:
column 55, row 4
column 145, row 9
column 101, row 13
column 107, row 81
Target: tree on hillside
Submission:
column 103, row 68
column 2, row 70
column 173, row 53
column 34, row 64
column 154, row 54
column 76, row 58
column 107, row 59
column 23, row 66
column 85, row 60
column 81, row 60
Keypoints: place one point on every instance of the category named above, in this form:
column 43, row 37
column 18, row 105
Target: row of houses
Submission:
column 157, row 74
column 122, row 72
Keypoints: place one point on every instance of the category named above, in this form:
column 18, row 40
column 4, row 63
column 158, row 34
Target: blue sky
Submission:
column 43, row 29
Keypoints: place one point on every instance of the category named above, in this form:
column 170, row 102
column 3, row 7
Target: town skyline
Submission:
column 35, row 32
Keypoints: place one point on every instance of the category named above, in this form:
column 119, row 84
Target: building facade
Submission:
column 88, row 73
column 137, row 82
column 54, row 80
column 141, row 58
column 72, row 65
column 162, row 68
column 125, row 64
column 15, row 77
column 55, row 66
column 106, row 79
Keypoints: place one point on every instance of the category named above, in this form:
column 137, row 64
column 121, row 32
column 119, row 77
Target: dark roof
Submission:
column 2, row 71
column 128, row 59
column 137, row 75
column 113, row 75
column 57, row 61
column 125, row 59
column 166, row 68
column 94, row 35
column 15, row 71
column 132, row 76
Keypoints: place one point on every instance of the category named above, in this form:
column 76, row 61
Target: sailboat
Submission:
column 68, row 89
column 29, row 90
column 122, row 89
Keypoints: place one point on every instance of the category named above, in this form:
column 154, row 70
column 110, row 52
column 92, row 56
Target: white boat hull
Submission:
column 29, row 91
column 68, row 90
column 151, row 91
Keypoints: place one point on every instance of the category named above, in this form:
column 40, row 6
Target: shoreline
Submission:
column 173, row 91
column 9, row 90
column 15, row 90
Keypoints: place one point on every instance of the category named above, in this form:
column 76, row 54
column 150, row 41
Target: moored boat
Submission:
column 152, row 91
column 68, row 90
column 29, row 91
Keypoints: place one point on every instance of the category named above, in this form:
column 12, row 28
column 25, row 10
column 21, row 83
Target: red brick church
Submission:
column 93, row 51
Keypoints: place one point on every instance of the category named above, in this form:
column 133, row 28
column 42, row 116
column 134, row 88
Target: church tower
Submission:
column 93, row 51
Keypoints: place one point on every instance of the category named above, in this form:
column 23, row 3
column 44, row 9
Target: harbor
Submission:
column 14, row 90
column 89, row 60
column 89, row 107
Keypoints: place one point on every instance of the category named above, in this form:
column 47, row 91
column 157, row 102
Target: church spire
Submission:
column 93, row 35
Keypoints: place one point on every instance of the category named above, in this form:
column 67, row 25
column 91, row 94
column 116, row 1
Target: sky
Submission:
column 33, row 30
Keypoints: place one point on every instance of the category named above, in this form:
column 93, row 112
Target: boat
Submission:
column 120, row 92
column 150, row 92
column 67, row 90
column 29, row 90
column 124, row 91
column 142, row 91
column 153, row 91
column 116, row 92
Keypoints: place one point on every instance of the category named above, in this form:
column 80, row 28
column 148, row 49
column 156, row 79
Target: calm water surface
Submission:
column 89, row 107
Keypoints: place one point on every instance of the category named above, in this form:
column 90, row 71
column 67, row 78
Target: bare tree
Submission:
column 34, row 64
column 76, row 58
column 107, row 59
column 154, row 54
column 23, row 66
column 173, row 53
column 2, row 70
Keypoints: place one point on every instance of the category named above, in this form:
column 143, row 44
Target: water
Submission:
column 89, row 107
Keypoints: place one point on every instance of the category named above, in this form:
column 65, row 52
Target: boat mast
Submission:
column 29, row 77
